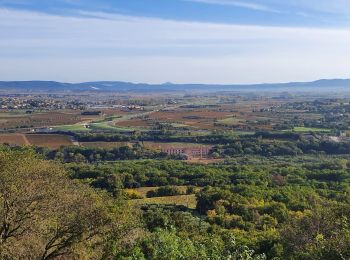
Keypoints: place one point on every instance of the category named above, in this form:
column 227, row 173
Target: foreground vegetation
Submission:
column 46, row 215
column 243, row 209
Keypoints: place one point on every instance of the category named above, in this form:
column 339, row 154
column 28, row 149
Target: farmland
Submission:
column 72, row 128
column 310, row 129
column 40, row 119
column 14, row 139
column 51, row 141
column 185, row 116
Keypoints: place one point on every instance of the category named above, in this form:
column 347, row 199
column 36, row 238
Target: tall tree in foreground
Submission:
column 45, row 215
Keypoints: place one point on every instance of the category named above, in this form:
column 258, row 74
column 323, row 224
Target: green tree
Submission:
column 44, row 214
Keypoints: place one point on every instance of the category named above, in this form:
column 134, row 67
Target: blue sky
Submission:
column 209, row 41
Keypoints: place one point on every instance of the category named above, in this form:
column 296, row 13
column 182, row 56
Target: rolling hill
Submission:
column 118, row 86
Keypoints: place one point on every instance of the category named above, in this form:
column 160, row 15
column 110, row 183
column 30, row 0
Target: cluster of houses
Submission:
column 38, row 102
column 121, row 107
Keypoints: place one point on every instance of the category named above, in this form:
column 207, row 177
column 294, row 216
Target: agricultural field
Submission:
column 14, row 139
column 51, row 141
column 72, row 128
column 228, row 121
column 113, row 121
column 105, row 126
column 40, row 119
column 196, row 119
column 311, row 129
column 134, row 123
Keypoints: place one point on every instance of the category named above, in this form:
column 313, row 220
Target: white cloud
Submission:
column 42, row 46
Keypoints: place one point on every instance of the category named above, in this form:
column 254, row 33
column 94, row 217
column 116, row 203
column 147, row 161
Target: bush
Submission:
column 164, row 191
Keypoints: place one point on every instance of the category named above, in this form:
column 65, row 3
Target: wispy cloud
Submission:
column 117, row 47
column 335, row 10
column 308, row 6
column 240, row 4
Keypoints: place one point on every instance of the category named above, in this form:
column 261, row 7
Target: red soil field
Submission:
column 184, row 115
column 49, row 141
column 43, row 119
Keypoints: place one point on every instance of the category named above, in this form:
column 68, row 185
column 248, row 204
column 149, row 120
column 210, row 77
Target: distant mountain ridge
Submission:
column 119, row 86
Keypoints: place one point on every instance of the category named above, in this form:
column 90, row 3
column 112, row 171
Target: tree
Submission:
column 323, row 233
column 44, row 214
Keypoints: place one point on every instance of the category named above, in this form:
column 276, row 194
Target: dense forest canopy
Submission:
column 253, row 210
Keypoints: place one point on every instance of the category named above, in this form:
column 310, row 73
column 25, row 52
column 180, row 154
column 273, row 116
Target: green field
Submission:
column 94, row 126
column 229, row 121
column 311, row 129
column 72, row 128
column 107, row 127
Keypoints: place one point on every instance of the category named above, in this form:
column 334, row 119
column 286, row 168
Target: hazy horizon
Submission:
column 174, row 83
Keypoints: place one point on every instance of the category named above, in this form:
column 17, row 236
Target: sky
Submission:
column 179, row 41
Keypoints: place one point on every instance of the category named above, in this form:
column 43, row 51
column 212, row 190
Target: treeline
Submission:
column 170, row 136
column 281, row 148
column 153, row 173
column 165, row 136
column 261, row 144
column 91, row 155
column 153, row 136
